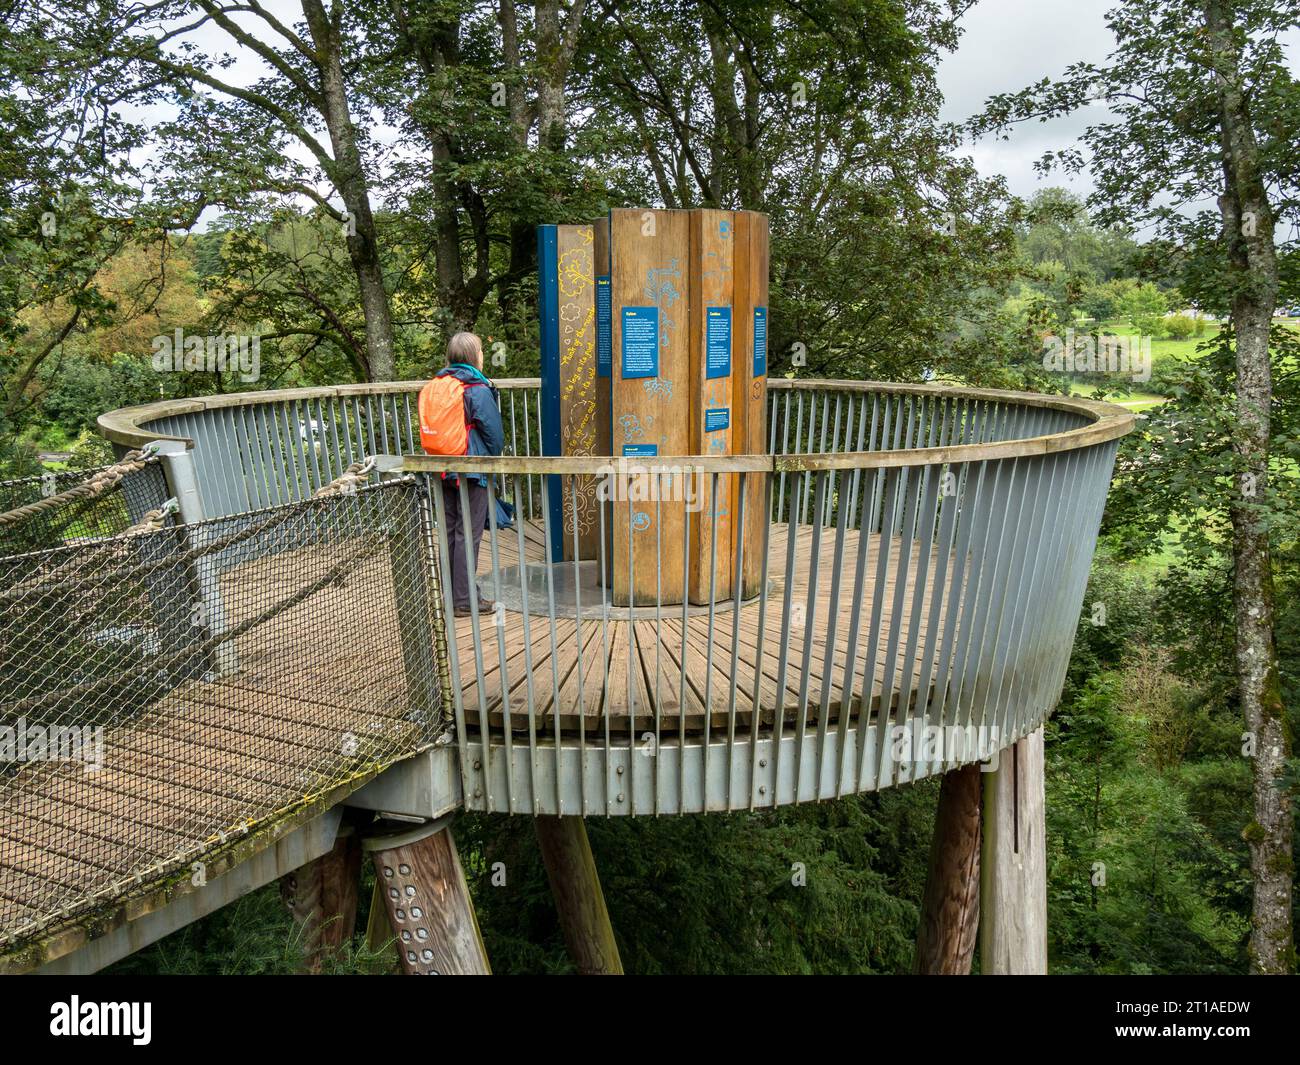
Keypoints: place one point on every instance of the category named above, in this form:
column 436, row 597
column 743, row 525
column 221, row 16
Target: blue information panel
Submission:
column 604, row 328
column 716, row 418
column 717, row 341
column 640, row 451
column 760, row 341
column 640, row 342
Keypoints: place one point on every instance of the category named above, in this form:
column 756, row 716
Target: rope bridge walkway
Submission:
column 167, row 688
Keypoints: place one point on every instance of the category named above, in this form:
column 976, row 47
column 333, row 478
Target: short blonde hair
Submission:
column 463, row 347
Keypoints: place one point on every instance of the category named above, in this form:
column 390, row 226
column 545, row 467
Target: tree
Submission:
column 888, row 249
column 306, row 90
column 1204, row 107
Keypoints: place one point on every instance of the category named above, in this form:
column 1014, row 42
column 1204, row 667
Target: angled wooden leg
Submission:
column 322, row 896
column 950, row 909
column 1013, row 887
column 428, row 902
column 584, row 919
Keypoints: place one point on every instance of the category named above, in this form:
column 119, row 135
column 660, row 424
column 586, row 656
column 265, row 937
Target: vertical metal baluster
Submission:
column 832, row 631
column 787, row 578
column 757, row 722
column 411, row 441
column 577, row 621
column 907, row 490
column 708, row 651
column 499, row 623
column 453, row 655
column 485, row 723
column 310, row 473
column 659, row 605
column 681, row 684
column 528, row 648
column 291, row 439
column 605, row 574
column 928, row 705
column 344, row 447
column 832, row 497
column 849, row 675
column 983, row 565
column 809, row 627
column 552, row 621
column 528, row 450
column 1046, row 513
column 888, row 508
column 737, row 598
column 927, row 493
column 631, row 636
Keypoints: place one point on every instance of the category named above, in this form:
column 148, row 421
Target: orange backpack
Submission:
column 442, row 417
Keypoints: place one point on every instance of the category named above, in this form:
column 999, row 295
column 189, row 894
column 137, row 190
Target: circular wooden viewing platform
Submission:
column 908, row 606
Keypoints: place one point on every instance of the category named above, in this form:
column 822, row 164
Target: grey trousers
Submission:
column 463, row 534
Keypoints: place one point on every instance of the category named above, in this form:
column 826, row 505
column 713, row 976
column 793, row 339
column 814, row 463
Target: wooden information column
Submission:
column 575, row 391
column 651, row 394
column 749, row 384
column 713, row 335
column 654, row 346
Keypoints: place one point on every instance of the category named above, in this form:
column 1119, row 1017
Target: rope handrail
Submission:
column 95, row 485
column 348, row 481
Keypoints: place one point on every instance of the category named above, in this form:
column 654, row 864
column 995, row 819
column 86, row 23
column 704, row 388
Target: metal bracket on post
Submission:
column 206, row 610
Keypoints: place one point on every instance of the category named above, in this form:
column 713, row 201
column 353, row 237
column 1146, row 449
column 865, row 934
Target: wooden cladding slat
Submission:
column 650, row 286
column 749, row 383
column 583, row 400
column 712, row 293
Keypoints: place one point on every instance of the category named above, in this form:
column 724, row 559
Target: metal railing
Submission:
column 920, row 573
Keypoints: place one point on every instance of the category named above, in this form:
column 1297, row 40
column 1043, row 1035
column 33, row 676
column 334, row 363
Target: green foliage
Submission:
column 715, row 894
column 1143, row 306
column 253, row 936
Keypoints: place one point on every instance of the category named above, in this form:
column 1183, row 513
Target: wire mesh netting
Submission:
column 106, row 501
column 161, row 692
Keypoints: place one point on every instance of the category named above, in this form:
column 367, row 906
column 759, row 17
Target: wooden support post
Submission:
column 428, row 902
column 1013, row 880
column 578, row 898
column 950, row 909
column 322, row 896
column 379, row 936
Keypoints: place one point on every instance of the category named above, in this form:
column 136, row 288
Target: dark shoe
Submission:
column 485, row 606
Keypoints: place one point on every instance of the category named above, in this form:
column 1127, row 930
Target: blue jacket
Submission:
column 482, row 413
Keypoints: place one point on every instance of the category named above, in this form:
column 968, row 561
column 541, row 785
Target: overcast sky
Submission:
column 1010, row 44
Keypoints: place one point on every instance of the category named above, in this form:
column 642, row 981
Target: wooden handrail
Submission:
column 128, row 426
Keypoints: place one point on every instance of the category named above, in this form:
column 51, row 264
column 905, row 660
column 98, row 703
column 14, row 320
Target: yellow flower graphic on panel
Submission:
column 575, row 271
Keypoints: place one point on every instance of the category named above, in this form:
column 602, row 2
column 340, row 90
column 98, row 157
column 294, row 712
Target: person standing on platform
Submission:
column 483, row 435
